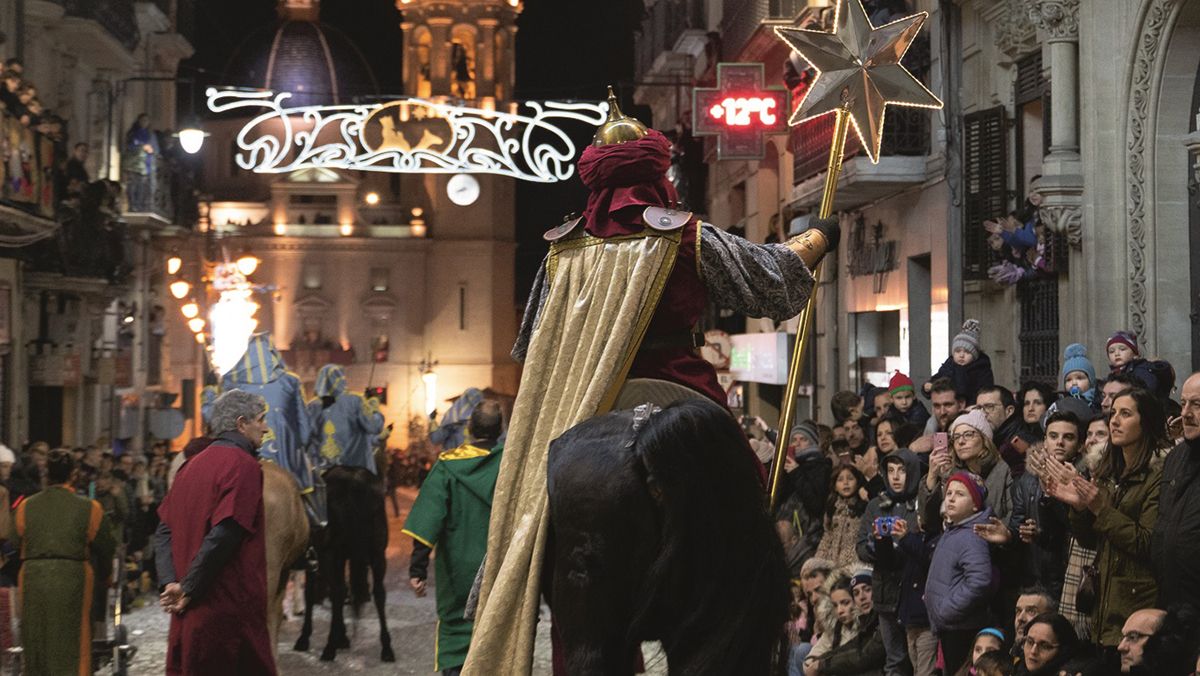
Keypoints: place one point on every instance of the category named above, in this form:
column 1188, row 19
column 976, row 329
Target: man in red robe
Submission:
column 211, row 550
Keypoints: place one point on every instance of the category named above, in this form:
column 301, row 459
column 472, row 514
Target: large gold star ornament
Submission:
column 858, row 68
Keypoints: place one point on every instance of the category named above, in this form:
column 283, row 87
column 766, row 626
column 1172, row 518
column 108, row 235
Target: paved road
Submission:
column 411, row 623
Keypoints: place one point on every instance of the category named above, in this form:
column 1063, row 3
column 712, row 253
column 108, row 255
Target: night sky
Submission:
column 565, row 49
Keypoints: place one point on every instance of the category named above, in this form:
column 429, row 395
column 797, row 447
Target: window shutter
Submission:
column 985, row 165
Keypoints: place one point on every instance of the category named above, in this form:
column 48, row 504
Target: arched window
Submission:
column 462, row 62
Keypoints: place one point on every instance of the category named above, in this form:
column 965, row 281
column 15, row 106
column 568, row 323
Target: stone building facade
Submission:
column 1094, row 107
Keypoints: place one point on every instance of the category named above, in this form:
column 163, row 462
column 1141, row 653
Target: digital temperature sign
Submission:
column 739, row 111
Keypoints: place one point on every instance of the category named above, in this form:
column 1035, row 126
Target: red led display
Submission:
column 739, row 111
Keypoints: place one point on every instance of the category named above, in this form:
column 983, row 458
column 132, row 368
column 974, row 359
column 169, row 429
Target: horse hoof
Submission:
column 388, row 655
column 328, row 654
column 301, row 645
column 342, row 643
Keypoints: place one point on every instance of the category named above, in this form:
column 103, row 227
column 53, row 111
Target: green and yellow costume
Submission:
column 451, row 516
column 59, row 531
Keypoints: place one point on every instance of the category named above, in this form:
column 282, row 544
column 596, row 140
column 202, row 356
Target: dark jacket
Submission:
column 960, row 586
column 1121, row 533
column 1044, row 561
column 863, row 654
column 1176, row 540
column 886, row 576
column 802, row 502
column 917, row 414
column 911, row 555
column 969, row 379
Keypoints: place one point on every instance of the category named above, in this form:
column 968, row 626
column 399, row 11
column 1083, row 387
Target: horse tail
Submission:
column 720, row 570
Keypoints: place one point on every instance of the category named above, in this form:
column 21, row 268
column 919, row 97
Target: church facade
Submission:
column 407, row 285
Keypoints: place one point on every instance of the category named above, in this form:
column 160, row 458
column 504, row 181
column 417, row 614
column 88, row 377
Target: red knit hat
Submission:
column 900, row 383
column 974, row 485
column 1126, row 338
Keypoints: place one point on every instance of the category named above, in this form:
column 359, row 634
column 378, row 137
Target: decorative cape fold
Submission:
column 602, row 295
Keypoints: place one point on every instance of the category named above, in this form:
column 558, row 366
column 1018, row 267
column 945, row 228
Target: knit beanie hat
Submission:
column 6, row 454
column 861, row 577
column 974, row 485
column 1075, row 359
column 808, row 431
column 968, row 338
column 1126, row 338
column 975, row 419
column 900, row 383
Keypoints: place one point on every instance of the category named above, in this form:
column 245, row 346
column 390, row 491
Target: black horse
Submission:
column 356, row 536
column 659, row 532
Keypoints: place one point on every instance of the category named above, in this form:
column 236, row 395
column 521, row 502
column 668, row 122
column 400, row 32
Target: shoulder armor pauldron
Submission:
column 664, row 219
column 559, row 232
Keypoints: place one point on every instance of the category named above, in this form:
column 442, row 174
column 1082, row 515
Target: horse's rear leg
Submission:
column 310, row 599
column 337, row 599
column 379, row 570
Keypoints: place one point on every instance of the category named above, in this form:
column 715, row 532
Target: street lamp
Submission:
column 190, row 309
column 191, row 138
column 196, row 324
column 174, row 264
column 429, row 377
column 179, row 289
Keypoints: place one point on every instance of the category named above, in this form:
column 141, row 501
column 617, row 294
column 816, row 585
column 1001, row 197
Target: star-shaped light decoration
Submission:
column 858, row 65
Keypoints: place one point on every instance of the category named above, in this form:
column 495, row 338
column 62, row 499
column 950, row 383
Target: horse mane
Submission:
column 720, row 567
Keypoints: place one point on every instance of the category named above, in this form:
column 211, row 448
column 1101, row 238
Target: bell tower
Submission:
column 461, row 50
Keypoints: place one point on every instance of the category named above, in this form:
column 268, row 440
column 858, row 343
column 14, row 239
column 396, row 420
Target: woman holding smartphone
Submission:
column 970, row 448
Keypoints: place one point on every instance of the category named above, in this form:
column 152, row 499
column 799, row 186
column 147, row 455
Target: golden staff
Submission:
column 858, row 75
column 796, row 369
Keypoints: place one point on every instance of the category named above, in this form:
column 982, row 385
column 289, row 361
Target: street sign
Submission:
column 739, row 111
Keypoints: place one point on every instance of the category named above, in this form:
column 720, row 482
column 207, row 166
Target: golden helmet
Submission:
column 618, row 128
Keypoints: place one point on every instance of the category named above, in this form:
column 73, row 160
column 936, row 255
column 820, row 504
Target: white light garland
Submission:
column 449, row 139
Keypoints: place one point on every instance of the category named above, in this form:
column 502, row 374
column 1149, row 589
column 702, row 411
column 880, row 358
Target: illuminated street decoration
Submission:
column 406, row 136
column 739, row 111
column 231, row 319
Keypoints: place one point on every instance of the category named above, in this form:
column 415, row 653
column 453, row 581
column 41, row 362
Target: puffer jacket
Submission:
column 846, row 650
column 969, row 379
column 886, row 574
column 960, row 583
column 862, row 654
column 1122, row 534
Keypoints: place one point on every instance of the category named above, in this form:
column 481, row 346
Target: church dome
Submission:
column 317, row 63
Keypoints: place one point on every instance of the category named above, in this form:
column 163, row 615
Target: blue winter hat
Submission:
column 1075, row 359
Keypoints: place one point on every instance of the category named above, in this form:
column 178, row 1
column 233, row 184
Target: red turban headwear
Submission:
column 623, row 180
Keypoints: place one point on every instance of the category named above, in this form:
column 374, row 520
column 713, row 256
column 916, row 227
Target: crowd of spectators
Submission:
column 957, row 526
column 129, row 487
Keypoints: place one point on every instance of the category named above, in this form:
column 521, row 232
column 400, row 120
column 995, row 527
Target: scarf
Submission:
column 624, row 179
